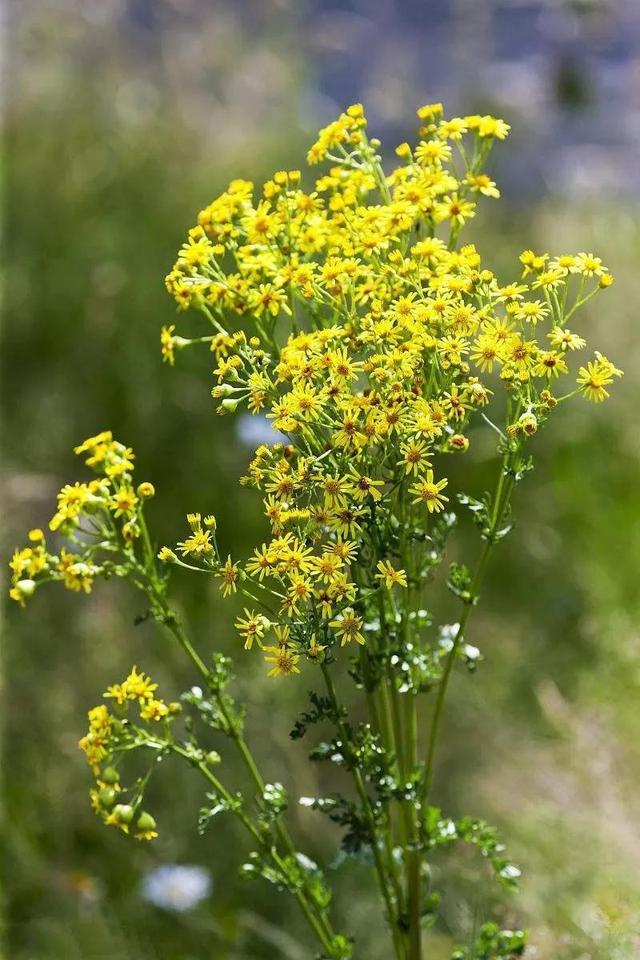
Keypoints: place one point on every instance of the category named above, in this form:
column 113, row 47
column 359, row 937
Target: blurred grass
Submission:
column 543, row 741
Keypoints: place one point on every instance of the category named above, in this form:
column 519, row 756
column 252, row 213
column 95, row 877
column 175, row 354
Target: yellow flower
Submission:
column 154, row 710
column 251, row 628
column 197, row 545
column 595, row 377
column 283, row 660
column 363, row 487
column 136, row 687
column 390, row 576
column 77, row 574
column 167, row 344
column 123, row 501
column 95, row 745
column 550, row 364
column 564, row 339
column 229, row 575
column 415, row 456
column 348, row 626
column 429, row 492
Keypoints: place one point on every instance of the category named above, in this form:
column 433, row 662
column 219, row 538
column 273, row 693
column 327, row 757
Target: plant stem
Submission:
column 371, row 821
column 412, row 853
column 500, row 503
column 321, row 933
column 414, row 877
column 173, row 624
column 382, row 728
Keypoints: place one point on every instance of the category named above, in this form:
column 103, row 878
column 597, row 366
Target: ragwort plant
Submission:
column 378, row 347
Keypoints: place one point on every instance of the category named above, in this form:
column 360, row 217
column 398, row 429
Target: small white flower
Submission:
column 176, row 887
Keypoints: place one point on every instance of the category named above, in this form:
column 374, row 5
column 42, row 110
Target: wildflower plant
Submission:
column 379, row 346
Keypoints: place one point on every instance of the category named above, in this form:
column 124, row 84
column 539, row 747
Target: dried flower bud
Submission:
column 458, row 442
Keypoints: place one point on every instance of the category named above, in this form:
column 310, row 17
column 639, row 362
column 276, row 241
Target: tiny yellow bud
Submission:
column 36, row 535
column 429, row 111
column 146, row 490
column 194, row 520
column 222, row 390
column 166, row 555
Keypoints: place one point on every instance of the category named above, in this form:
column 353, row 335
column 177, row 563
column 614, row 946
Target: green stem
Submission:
column 382, row 728
column 414, row 873
column 500, row 502
column 412, row 854
column 173, row 624
column 321, row 933
column 371, row 822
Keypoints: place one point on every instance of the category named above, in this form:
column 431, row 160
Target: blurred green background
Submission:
column 122, row 120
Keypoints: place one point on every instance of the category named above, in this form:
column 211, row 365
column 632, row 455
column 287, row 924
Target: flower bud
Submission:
column 167, row 555
column 213, row 758
column 146, row 490
column 130, row 531
column 222, row 390
column 145, row 822
column 106, row 796
column 229, row 406
column 110, row 775
column 458, row 442
column 26, row 587
column 527, row 423
column 123, row 813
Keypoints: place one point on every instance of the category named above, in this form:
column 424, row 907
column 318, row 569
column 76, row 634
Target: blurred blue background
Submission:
column 122, row 119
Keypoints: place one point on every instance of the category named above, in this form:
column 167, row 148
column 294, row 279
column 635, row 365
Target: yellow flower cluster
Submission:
column 139, row 688
column 90, row 516
column 372, row 341
column 95, row 744
column 108, row 736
